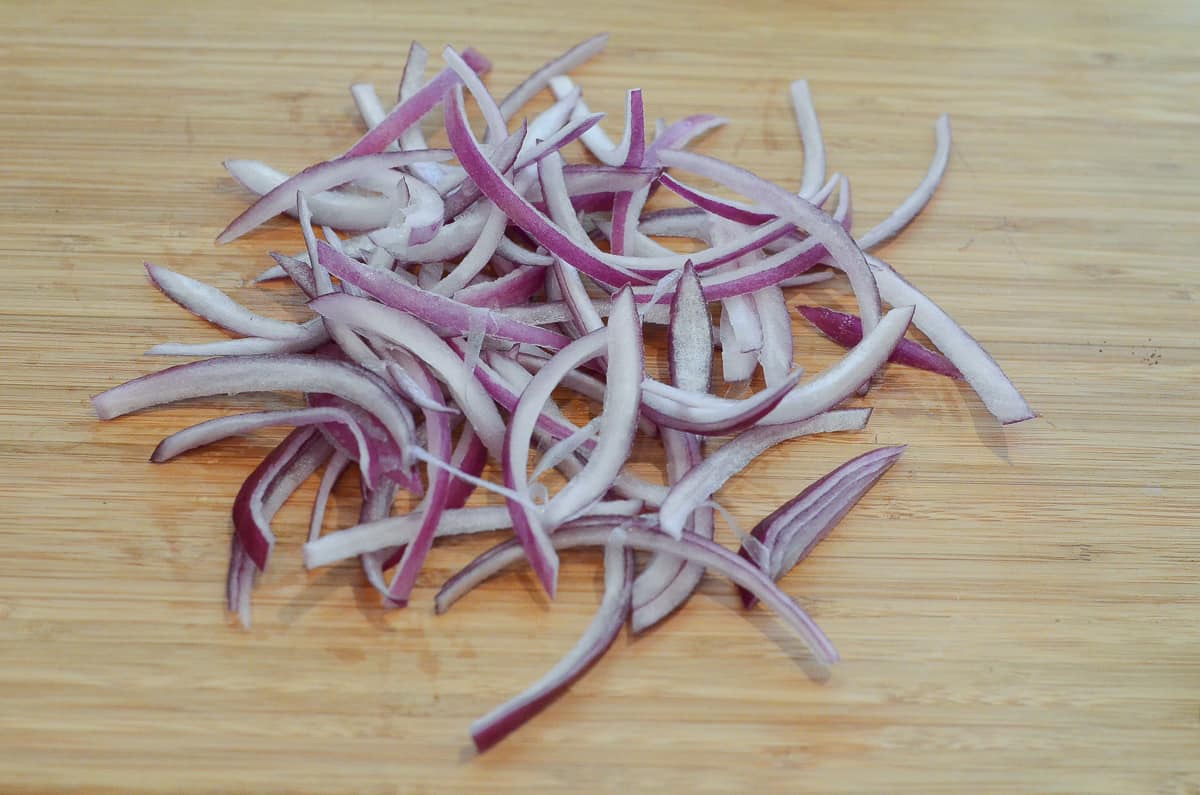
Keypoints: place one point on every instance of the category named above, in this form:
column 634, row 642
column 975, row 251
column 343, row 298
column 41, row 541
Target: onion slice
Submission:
column 846, row 330
column 692, row 548
column 596, row 639
column 793, row 529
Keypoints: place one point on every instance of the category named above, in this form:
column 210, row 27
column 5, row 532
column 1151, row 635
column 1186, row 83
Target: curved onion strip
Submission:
column 218, row 308
column 432, row 308
column 337, row 465
column 705, row 479
column 318, row 178
column 528, row 526
column 396, row 531
column 315, row 336
column 520, row 162
column 911, row 207
column 268, row 487
column 625, row 367
column 353, row 347
column 690, row 335
column 607, row 268
column 233, row 374
column 810, row 140
column 513, row 289
column 596, row 639
column 214, row 430
column 838, row 382
column 543, row 77
column 796, row 522
column 411, row 110
column 776, row 355
column 683, row 452
column 846, row 330
column 344, row 209
column 976, row 365
column 242, row 571
column 411, row 334
column 793, row 529
column 299, row 271
column 692, row 548
column 470, row 456
column 437, row 430
column 823, row 230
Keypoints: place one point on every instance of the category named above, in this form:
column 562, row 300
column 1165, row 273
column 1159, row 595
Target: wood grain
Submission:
column 1016, row 607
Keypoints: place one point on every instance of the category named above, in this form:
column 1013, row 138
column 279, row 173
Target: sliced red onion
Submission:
column 269, row 486
column 558, row 312
column 294, row 451
column 736, row 365
column 318, row 178
column 470, row 456
column 978, row 368
column 315, row 336
column 713, row 416
column 805, row 279
column 437, row 430
column 529, row 527
column 422, row 216
column 707, row 478
column 796, row 528
column 344, row 209
column 411, row 82
column 376, row 505
column 626, row 364
column 506, row 391
column 599, row 144
column 607, row 268
column 397, row 531
column 596, row 639
column 370, row 108
column 433, row 308
column 810, row 140
column 554, row 454
column 537, row 150
column 497, row 127
column 300, row 272
column 911, row 207
column 234, row 374
column 544, row 76
column 793, row 529
column 823, row 230
column 776, row 355
column 210, row 431
column 667, row 581
column 690, row 335
column 846, row 330
column 386, row 458
column 513, row 289
column 484, row 249
column 334, row 469
column 218, row 308
column 691, row 547
column 353, row 347
column 524, row 229
column 410, row 111
column 840, row 381
column 411, row 334
column 549, row 121
column 413, row 392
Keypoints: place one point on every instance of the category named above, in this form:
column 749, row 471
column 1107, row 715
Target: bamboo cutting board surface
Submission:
column 1016, row 608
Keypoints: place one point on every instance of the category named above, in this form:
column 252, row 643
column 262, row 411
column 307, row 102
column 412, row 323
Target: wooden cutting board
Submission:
column 1016, row 608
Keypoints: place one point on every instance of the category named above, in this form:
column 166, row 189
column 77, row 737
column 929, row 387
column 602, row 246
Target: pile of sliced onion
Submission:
column 452, row 302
